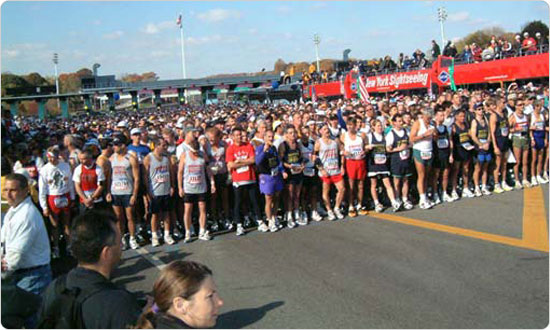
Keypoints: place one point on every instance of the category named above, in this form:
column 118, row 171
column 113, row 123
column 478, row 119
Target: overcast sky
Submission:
column 229, row 37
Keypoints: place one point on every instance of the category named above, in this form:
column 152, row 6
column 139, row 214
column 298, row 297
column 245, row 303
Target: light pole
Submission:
column 442, row 16
column 55, row 61
column 316, row 41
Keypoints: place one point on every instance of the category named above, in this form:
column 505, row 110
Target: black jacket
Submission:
column 108, row 309
column 165, row 321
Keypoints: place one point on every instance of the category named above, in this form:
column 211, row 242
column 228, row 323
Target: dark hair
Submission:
column 20, row 178
column 236, row 128
column 397, row 115
column 178, row 279
column 90, row 233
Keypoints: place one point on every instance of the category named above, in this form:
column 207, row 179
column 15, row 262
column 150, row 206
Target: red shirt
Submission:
column 88, row 179
column 529, row 44
column 244, row 151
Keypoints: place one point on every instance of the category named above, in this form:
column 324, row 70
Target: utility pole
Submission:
column 316, row 41
column 55, row 62
column 442, row 16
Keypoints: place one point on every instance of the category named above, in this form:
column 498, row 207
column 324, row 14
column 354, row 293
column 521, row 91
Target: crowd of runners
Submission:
column 234, row 167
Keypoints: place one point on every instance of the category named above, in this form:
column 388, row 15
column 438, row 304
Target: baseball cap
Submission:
column 135, row 131
column 122, row 124
column 119, row 139
column 276, row 124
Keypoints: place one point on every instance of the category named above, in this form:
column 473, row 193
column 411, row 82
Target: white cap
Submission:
column 135, row 131
column 123, row 124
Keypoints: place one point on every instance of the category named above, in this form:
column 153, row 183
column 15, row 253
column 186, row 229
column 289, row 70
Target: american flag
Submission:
column 362, row 92
column 178, row 22
column 313, row 95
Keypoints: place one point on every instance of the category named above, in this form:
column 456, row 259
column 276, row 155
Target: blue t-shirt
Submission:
column 140, row 150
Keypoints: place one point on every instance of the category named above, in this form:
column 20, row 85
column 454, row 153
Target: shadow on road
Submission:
column 243, row 317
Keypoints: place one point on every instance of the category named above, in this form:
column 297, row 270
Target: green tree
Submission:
column 10, row 80
column 480, row 37
column 35, row 79
column 535, row 26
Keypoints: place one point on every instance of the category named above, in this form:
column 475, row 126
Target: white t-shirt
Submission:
column 390, row 137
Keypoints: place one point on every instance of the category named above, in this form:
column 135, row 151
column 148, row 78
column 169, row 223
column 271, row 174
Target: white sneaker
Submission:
column 518, row 185
column 290, row 223
column 302, row 221
column 424, row 205
column 187, row 238
column 541, row 180
column 124, row 244
column 485, row 191
column 378, row 208
column 205, row 235
column 246, row 221
column 240, row 229
column 545, row 177
column 407, row 205
column 498, row 189
column 331, row 215
column 467, row 193
column 437, row 199
column 358, row 208
column 338, row 213
column 155, row 241
column 506, row 187
column 447, row 198
column 192, row 231
column 454, row 196
column 477, row 192
column 262, row 227
column 526, row 184
column 133, row 243
column 534, row 181
column 316, row 216
column 396, row 206
column 228, row 224
column 169, row 240
column 273, row 225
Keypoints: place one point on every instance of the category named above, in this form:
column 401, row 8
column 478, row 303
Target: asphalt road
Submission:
column 373, row 273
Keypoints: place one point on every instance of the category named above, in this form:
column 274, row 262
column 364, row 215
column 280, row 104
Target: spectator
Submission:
column 400, row 61
column 25, row 240
column 489, row 52
column 466, row 54
column 529, row 45
column 419, row 59
column 541, row 42
column 436, row 51
column 450, row 49
column 185, row 297
column 95, row 243
column 516, row 45
column 476, row 52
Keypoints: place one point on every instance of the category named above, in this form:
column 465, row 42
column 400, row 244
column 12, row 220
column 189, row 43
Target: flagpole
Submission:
column 182, row 51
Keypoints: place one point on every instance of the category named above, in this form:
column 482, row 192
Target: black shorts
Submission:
column 400, row 169
column 503, row 144
column 295, row 179
column 193, row 198
column 462, row 155
column 311, row 181
column 221, row 180
column 441, row 160
column 121, row 200
column 160, row 204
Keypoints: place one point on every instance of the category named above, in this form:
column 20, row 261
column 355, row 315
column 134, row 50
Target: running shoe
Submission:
column 363, row 211
column 305, row 217
column 541, row 180
column 290, row 223
column 240, row 229
column 321, row 211
column 424, row 205
column 215, row 226
column 351, row 212
column 247, row 221
column 437, row 199
column 526, row 184
column 506, row 187
column 331, row 216
column 396, row 206
column 378, row 208
column 545, row 177
column 357, row 207
column 498, row 189
column 177, row 234
column 467, row 193
column 124, row 244
column 187, row 238
column 262, row 227
column 228, row 224
column 455, row 196
column 316, row 216
column 192, row 230
column 407, row 205
column 169, row 240
column 155, row 241
column 273, row 225
column 485, row 191
column 338, row 213
column 477, row 192
column 534, row 181
column 205, row 235
column 133, row 243
column 302, row 220
column 297, row 215
column 518, row 185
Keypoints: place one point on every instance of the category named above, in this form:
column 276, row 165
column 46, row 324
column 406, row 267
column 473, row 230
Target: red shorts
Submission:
column 356, row 169
column 57, row 204
column 332, row 179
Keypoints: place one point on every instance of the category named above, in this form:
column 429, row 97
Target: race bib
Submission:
column 295, row 169
column 539, row 125
column 194, row 179
column 443, row 143
column 121, row 185
column 483, row 141
column 467, row 146
column 308, row 171
column 275, row 171
column 380, row 159
column 356, row 152
column 88, row 193
column 162, row 178
column 61, row 202
column 404, row 154
column 504, row 131
column 426, row 155
column 242, row 169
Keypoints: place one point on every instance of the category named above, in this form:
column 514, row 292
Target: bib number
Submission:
column 467, row 145
column 504, row 131
column 295, row 169
column 308, row 171
column 426, row 155
column 242, row 169
column 404, row 154
column 380, row 159
column 120, row 185
column 162, row 178
column 443, row 143
column 61, row 202
column 194, row 179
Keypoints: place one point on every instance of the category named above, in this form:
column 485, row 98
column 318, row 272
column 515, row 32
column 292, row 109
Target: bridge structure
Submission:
column 109, row 89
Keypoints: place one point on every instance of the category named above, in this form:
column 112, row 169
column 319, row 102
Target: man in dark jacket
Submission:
column 96, row 244
column 435, row 50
